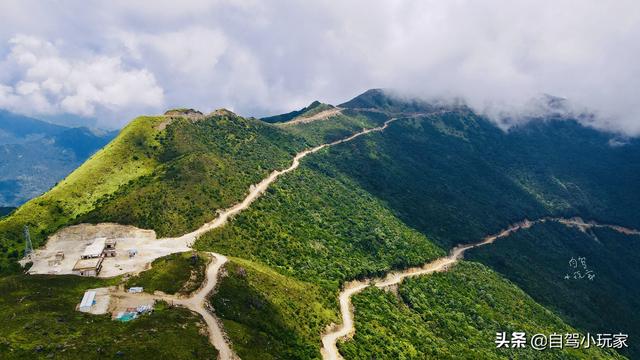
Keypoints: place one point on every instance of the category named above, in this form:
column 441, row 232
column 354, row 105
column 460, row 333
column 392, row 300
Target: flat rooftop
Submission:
column 96, row 248
column 84, row 264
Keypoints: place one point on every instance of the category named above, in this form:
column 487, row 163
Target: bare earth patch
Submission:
column 74, row 239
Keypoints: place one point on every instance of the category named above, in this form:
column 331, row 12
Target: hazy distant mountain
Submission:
column 35, row 154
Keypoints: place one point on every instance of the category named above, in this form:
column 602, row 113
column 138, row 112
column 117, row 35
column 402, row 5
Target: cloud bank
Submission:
column 113, row 59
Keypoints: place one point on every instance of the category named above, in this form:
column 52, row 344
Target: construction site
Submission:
column 102, row 250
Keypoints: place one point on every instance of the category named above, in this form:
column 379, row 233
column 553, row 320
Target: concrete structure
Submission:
column 110, row 248
column 88, row 267
column 87, row 301
column 95, row 249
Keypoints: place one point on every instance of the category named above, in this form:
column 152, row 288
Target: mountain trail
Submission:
column 197, row 302
column 259, row 188
column 329, row 349
column 322, row 115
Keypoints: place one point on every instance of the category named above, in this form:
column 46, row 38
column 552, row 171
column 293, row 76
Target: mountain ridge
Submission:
column 436, row 177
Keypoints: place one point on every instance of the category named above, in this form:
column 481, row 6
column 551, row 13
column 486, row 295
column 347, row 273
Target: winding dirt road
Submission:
column 258, row 189
column 197, row 302
column 346, row 329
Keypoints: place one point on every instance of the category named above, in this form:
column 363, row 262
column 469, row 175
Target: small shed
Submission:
column 87, row 301
column 95, row 249
column 88, row 267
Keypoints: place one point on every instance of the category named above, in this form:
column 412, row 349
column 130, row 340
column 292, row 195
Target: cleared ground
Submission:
column 74, row 239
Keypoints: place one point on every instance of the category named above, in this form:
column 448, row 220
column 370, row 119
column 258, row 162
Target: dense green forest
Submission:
column 456, row 177
column 607, row 303
column 453, row 315
column 314, row 224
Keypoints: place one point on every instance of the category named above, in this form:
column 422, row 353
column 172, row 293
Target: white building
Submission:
column 87, row 301
column 95, row 249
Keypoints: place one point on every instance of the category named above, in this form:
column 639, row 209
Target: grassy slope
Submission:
column 205, row 166
column 585, row 304
column 175, row 273
column 102, row 174
column 271, row 316
column 171, row 181
column 38, row 320
column 452, row 315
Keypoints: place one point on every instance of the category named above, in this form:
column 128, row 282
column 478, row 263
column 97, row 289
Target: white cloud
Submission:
column 51, row 82
column 264, row 58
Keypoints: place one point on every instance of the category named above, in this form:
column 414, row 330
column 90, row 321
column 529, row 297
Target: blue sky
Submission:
column 111, row 60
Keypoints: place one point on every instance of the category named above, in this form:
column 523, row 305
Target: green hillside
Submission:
column 313, row 108
column 315, row 224
column 38, row 320
column 271, row 316
column 169, row 176
column 587, row 304
column 456, row 177
column 203, row 166
column 453, row 315
column 131, row 155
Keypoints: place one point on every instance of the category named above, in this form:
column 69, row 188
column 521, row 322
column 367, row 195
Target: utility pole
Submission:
column 28, row 247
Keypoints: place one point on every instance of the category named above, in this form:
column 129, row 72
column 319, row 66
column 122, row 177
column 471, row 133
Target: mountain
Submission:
column 5, row 210
column 430, row 177
column 313, row 107
column 35, row 154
